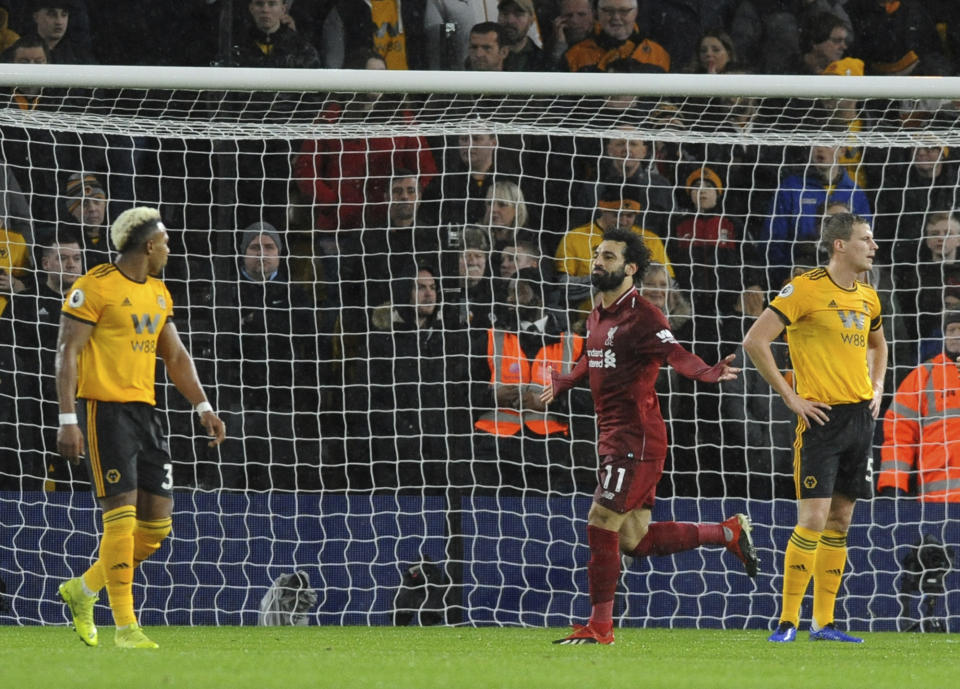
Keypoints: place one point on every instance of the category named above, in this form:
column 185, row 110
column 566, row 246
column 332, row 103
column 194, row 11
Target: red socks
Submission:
column 603, row 571
column 663, row 538
column 666, row 538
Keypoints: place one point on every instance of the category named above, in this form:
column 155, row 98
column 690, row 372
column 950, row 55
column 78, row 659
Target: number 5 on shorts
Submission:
column 609, row 474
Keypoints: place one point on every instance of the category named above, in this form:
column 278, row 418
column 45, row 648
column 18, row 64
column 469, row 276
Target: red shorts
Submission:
column 626, row 483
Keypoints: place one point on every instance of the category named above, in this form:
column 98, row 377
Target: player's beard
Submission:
column 605, row 281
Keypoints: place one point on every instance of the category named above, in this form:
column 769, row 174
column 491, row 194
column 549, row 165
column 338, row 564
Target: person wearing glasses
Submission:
column 617, row 44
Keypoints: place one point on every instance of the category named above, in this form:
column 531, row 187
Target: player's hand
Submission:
column 215, row 428
column 810, row 411
column 70, row 443
column 723, row 369
column 547, row 395
column 876, row 401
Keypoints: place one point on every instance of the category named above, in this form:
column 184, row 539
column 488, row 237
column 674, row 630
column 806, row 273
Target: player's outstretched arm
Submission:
column 691, row 366
column 756, row 344
column 183, row 374
column 71, row 339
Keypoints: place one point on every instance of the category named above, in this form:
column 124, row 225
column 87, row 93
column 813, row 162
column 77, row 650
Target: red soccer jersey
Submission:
column 626, row 346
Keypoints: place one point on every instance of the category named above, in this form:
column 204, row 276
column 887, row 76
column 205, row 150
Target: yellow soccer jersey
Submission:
column 575, row 253
column 827, row 329
column 118, row 363
column 13, row 257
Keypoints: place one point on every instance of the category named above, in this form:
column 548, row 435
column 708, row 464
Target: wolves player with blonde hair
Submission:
column 839, row 355
column 113, row 325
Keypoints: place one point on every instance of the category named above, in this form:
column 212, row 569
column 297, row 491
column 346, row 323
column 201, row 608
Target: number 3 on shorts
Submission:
column 168, row 480
column 608, row 475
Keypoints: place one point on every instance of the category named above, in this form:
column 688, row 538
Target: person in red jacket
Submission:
column 921, row 429
column 628, row 340
column 341, row 176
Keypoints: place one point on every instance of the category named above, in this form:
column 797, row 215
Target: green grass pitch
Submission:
column 464, row 658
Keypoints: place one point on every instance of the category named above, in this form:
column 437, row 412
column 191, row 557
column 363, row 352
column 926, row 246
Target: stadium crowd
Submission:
column 359, row 340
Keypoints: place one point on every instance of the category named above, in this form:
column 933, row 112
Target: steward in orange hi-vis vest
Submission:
column 509, row 365
column 921, row 434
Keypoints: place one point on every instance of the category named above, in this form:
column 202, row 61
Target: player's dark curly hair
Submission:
column 634, row 250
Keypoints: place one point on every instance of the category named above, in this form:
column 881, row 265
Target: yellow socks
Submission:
column 116, row 556
column 827, row 572
column 798, row 568
column 147, row 539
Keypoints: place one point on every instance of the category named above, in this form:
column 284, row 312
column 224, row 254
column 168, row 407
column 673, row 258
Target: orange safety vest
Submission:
column 921, row 433
column 510, row 366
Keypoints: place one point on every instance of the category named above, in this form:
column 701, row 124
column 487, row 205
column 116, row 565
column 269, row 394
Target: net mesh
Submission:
column 360, row 426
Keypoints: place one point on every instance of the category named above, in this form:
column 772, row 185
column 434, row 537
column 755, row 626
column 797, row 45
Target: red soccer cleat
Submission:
column 585, row 634
column 736, row 531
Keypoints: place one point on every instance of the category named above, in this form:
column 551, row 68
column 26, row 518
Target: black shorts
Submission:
column 836, row 457
column 126, row 448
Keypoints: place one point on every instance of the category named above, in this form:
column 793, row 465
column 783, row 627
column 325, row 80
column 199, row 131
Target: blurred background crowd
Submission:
column 353, row 300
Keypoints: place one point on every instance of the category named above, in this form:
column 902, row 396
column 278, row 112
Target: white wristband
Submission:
column 68, row 419
column 203, row 407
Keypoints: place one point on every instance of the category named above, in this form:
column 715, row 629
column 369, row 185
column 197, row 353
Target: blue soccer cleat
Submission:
column 786, row 632
column 831, row 633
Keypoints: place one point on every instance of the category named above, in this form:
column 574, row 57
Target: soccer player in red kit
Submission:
column 628, row 340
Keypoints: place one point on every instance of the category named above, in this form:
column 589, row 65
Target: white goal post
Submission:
column 357, row 445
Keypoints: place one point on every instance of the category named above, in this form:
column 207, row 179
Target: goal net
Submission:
column 373, row 272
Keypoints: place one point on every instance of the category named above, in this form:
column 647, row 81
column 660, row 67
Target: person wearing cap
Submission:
column 708, row 239
column 616, row 208
column 115, row 322
column 920, row 455
column 266, row 330
column 85, row 203
column 516, row 17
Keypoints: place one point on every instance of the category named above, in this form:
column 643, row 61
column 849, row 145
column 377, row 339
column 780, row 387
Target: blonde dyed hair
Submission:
column 509, row 192
column 128, row 221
